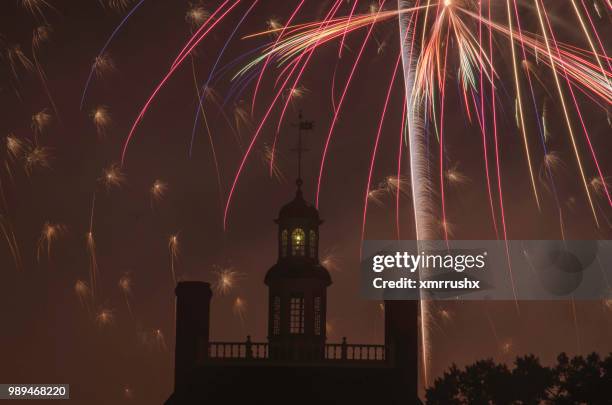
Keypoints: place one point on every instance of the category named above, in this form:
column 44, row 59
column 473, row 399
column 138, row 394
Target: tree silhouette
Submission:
column 571, row 381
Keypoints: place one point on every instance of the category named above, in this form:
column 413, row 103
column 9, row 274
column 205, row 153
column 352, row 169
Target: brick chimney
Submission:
column 192, row 327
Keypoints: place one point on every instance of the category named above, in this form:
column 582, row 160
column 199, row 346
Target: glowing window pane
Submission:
column 298, row 242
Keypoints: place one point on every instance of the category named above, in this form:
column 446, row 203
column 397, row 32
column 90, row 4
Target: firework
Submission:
column 331, row 261
column 599, row 185
column 101, row 119
column 105, row 317
column 270, row 160
column 15, row 147
column 226, row 279
column 125, row 285
column 102, row 63
column 239, row 308
column 11, row 240
column 173, row 248
column 118, row 6
column 445, row 315
column 49, row 234
column 551, row 164
column 274, row 25
column 41, row 121
column 82, row 291
column 608, row 304
column 196, row 15
column 113, row 177
column 454, row 177
column 506, row 347
column 37, row 157
column 128, row 393
column 93, row 261
column 153, row 339
column 36, row 7
column 41, row 35
column 158, row 191
column 159, row 339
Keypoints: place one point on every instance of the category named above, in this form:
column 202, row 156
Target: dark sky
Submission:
column 47, row 336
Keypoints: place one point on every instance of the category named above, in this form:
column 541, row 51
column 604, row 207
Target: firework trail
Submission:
column 158, row 191
column 37, row 7
column 125, row 285
column 82, row 291
column 422, row 196
column 49, row 234
column 102, row 54
column 11, row 240
column 199, row 35
column 239, row 308
column 200, row 106
column 205, row 93
column 41, row 35
column 173, row 248
column 40, row 122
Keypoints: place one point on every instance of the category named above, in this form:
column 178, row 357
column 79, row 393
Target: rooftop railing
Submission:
column 333, row 352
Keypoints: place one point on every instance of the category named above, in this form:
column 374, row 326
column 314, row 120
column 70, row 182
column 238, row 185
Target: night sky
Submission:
column 49, row 336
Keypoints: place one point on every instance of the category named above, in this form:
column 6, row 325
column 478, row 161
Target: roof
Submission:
column 298, row 208
column 298, row 269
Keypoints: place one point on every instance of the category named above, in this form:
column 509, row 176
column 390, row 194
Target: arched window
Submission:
column 298, row 242
column 284, row 242
column 312, row 243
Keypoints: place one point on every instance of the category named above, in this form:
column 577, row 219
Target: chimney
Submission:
column 192, row 327
column 401, row 342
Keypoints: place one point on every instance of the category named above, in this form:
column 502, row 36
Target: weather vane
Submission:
column 302, row 126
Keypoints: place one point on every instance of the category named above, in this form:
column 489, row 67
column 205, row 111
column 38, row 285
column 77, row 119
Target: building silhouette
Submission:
column 296, row 365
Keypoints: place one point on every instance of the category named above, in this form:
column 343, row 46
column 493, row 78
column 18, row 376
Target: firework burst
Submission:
column 196, row 15
column 101, row 119
column 113, row 177
column 41, row 121
column 83, row 292
column 37, row 158
column 158, row 191
column 49, row 234
column 226, row 279
column 105, row 317
column 239, row 308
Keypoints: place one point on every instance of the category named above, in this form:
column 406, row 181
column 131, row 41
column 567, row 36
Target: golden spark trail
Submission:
column 520, row 107
column 565, row 111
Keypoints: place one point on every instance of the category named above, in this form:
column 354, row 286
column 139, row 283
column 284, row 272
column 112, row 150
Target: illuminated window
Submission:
column 298, row 242
column 284, row 242
column 312, row 242
column 296, row 315
column 276, row 315
column 317, row 316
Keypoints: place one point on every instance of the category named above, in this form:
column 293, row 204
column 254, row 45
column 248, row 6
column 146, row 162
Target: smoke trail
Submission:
column 422, row 198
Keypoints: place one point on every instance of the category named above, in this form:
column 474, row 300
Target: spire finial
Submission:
column 302, row 126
